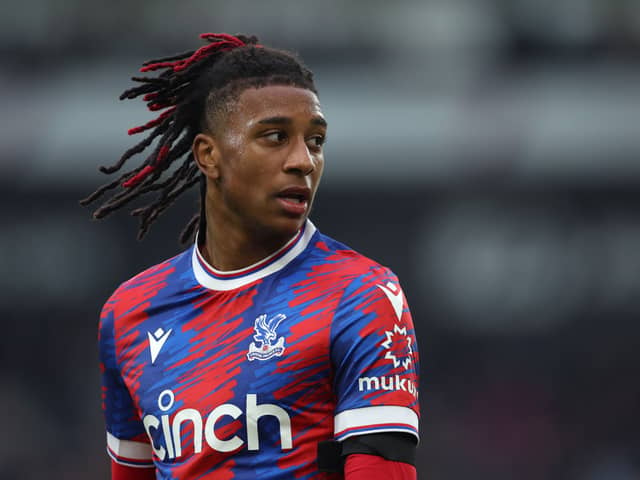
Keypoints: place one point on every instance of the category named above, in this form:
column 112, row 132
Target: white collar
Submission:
column 214, row 279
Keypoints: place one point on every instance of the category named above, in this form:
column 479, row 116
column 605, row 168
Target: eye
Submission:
column 275, row 137
column 316, row 142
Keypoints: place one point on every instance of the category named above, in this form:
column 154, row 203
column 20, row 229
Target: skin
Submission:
column 272, row 138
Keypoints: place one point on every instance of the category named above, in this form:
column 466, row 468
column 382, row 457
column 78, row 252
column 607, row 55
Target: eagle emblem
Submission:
column 266, row 335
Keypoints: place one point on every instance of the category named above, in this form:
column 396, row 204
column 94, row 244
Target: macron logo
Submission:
column 394, row 294
column 156, row 341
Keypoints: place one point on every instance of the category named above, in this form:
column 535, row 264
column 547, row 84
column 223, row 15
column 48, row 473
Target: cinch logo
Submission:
column 394, row 382
column 206, row 428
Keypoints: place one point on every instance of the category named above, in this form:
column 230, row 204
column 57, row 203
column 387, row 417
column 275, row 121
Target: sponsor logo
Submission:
column 398, row 347
column 156, row 341
column 266, row 335
column 204, row 429
column 394, row 294
column 388, row 383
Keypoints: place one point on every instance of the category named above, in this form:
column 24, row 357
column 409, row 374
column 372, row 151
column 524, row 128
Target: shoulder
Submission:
column 349, row 265
column 365, row 288
column 137, row 292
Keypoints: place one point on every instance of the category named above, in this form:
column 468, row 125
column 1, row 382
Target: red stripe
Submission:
column 378, row 425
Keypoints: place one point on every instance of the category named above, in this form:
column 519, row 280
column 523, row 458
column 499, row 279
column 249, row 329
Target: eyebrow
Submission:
column 319, row 121
column 287, row 121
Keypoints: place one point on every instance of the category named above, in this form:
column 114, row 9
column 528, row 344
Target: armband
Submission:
column 394, row 446
column 330, row 456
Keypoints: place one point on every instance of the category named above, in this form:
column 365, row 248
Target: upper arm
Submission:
column 394, row 446
column 123, row 472
column 127, row 441
column 375, row 359
column 367, row 467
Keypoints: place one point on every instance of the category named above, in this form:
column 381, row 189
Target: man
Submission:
column 267, row 350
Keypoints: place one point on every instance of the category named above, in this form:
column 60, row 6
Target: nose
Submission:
column 300, row 160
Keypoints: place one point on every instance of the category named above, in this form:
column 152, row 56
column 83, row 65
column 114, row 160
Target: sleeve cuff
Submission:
column 129, row 453
column 376, row 419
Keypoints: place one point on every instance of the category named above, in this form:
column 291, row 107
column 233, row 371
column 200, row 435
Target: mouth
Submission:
column 294, row 200
column 295, row 194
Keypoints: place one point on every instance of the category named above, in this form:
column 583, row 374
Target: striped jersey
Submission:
column 238, row 375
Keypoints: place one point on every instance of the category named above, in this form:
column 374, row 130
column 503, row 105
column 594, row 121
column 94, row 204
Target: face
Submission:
column 263, row 166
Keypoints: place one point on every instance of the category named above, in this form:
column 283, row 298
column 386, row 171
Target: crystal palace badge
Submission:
column 266, row 335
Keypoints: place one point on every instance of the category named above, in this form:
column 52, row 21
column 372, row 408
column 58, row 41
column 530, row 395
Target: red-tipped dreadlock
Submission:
column 222, row 42
column 190, row 86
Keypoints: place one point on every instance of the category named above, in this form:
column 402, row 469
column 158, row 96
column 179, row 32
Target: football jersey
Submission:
column 239, row 374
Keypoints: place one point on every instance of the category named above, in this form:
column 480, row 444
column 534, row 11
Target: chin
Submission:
column 288, row 226
column 295, row 224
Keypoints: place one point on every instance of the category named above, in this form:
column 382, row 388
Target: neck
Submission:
column 234, row 247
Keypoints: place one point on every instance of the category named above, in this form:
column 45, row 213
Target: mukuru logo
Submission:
column 266, row 335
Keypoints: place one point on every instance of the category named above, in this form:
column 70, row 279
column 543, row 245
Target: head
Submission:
column 263, row 164
column 240, row 120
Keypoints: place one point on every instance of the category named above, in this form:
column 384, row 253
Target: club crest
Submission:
column 266, row 335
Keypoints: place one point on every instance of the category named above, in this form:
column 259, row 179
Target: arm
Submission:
column 127, row 442
column 380, row 456
column 123, row 472
column 370, row 467
column 376, row 363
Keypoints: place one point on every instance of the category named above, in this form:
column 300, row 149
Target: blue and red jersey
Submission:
column 238, row 375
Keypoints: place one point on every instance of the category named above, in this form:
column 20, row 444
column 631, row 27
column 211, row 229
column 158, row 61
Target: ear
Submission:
column 207, row 155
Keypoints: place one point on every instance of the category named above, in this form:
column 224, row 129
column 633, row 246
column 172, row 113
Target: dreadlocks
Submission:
column 191, row 90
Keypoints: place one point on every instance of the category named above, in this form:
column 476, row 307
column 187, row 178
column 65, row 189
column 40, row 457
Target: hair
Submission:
column 191, row 89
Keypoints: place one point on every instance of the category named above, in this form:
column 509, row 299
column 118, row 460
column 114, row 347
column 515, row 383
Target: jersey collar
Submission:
column 214, row 279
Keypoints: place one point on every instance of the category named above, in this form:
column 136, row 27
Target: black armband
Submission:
column 330, row 456
column 394, row 446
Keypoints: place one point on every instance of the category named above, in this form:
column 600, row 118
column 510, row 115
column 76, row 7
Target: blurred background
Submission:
column 486, row 150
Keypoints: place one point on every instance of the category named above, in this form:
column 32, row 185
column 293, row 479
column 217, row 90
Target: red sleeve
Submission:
column 122, row 472
column 370, row 467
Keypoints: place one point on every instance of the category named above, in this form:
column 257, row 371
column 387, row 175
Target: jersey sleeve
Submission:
column 127, row 442
column 370, row 467
column 375, row 359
